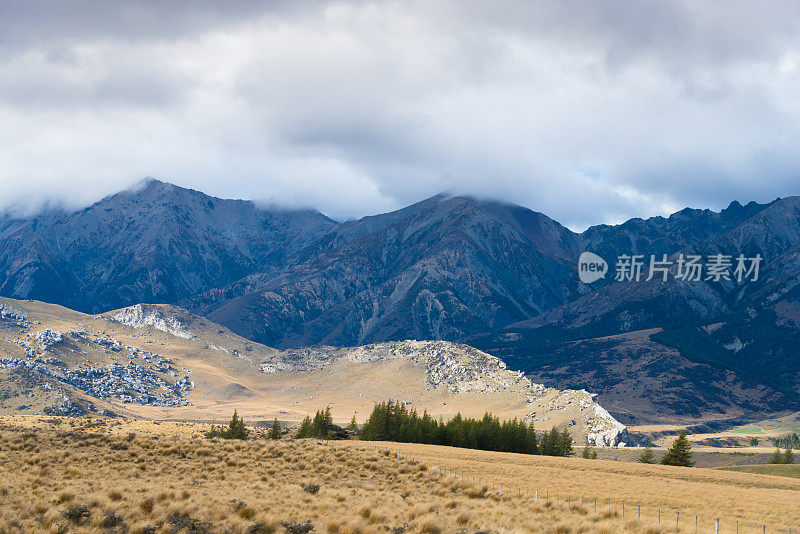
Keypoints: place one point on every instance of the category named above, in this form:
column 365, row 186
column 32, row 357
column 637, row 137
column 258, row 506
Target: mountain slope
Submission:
column 157, row 243
column 449, row 268
column 751, row 329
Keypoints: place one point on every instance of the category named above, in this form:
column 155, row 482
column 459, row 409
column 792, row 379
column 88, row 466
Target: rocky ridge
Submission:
column 460, row 369
column 142, row 315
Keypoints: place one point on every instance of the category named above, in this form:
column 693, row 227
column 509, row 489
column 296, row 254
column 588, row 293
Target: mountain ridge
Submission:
column 455, row 268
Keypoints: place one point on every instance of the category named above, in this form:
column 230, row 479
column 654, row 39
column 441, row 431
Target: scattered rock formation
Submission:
column 460, row 369
column 142, row 315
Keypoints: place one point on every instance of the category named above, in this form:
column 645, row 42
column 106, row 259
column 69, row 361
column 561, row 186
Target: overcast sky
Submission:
column 588, row 111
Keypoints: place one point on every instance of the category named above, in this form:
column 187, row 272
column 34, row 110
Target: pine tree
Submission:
column 353, row 424
column 318, row 428
column 680, row 453
column 305, row 428
column 274, row 430
column 565, row 443
column 236, row 429
column 788, row 456
column 647, row 456
column 777, row 457
column 586, row 453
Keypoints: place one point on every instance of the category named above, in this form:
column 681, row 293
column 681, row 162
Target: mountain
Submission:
column 750, row 329
column 442, row 269
column 155, row 243
column 495, row 275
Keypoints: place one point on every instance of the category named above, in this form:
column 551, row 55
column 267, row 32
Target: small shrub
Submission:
column 111, row 520
column 313, row 489
column 77, row 514
column 429, row 527
column 246, row 512
column 147, row 505
column 297, row 528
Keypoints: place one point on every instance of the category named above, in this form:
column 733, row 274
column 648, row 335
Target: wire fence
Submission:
column 626, row 510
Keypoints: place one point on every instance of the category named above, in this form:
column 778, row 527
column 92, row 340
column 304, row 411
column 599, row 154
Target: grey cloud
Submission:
column 588, row 111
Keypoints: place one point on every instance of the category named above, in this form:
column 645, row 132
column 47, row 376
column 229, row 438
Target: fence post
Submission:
column 659, row 515
column 716, row 526
column 677, row 518
column 581, row 505
column 595, row 506
column 638, row 511
column 695, row 524
column 537, row 496
column 623, row 509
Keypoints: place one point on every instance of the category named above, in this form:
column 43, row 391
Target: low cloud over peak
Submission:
column 589, row 112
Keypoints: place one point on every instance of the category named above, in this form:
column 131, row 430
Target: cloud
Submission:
column 589, row 112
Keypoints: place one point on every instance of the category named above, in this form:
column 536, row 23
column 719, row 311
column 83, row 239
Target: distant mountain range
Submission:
column 495, row 275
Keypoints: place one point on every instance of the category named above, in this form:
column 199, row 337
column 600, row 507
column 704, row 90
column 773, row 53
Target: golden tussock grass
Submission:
column 139, row 477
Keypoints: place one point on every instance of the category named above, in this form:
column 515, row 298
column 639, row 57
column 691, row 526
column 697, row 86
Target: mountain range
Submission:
column 495, row 275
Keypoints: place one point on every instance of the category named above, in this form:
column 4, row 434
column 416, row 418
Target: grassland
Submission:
column 792, row 471
column 748, row 430
column 83, row 475
column 753, row 499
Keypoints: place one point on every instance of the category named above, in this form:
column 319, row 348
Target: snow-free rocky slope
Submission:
column 156, row 243
column 157, row 361
column 491, row 274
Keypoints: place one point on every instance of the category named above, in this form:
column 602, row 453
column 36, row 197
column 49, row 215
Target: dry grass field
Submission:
column 753, row 498
column 782, row 470
column 85, row 475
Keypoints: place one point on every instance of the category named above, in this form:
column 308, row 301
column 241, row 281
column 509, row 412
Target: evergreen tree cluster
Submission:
column 785, row 457
column 236, row 429
column 275, row 430
column 647, row 456
column 320, row 427
column 789, row 441
column 392, row 421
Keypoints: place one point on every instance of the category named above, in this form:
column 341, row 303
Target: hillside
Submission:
column 161, row 362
